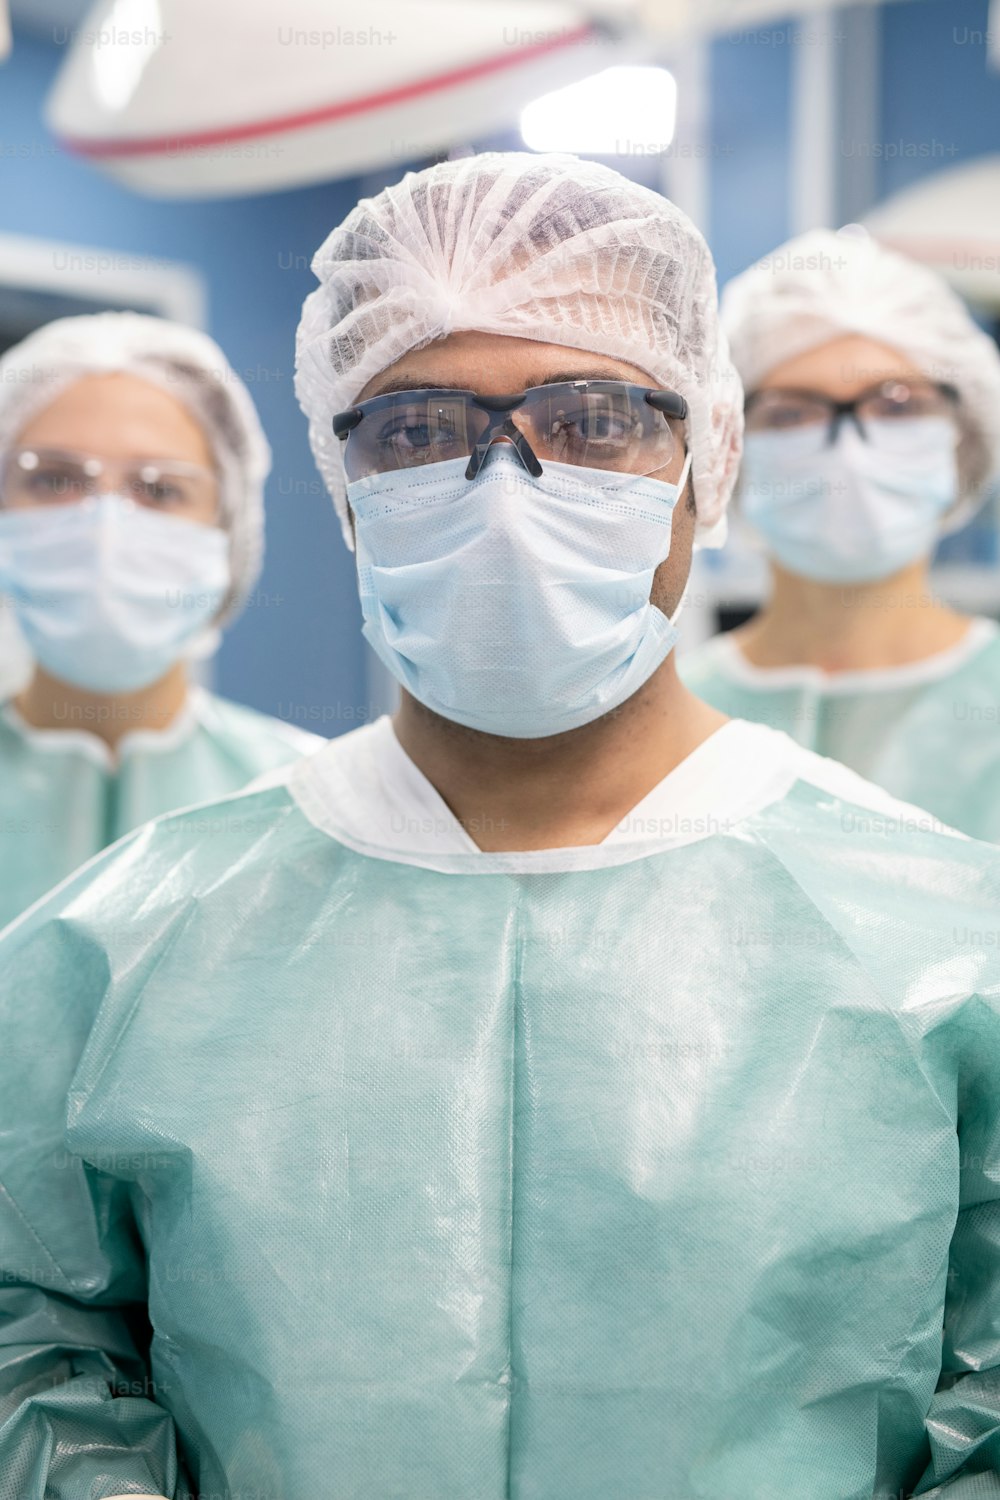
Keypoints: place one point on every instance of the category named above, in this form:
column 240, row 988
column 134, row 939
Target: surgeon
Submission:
column 132, row 466
column 558, row 1091
column 873, row 429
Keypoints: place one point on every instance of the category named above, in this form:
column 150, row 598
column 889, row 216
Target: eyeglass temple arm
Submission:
column 668, row 402
column 346, row 421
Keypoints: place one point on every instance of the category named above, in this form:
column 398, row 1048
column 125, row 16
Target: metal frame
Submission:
column 102, row 274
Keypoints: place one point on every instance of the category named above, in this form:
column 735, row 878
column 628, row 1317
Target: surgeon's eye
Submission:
column 53, row 482
column 588, row 426
column 778, row 413
column 403, row 443
column 903, row 402
column 159, row 493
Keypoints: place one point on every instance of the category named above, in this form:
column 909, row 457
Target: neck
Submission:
column 843, row 627
column 48, row 703
column 565, row 790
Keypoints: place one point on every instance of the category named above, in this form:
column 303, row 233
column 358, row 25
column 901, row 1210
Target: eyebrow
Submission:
column 561, row 377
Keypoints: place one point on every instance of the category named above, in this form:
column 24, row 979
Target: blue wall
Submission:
column 940, row 98
column 297, row 649
column 939, row 105
column 749, row 84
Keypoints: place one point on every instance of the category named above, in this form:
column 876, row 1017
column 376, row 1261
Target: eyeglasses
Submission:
column 596, row 424
column 34, row 476
column 883, row 415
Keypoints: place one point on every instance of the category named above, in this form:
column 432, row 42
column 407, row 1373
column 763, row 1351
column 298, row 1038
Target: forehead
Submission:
column 495, row 365
column 117, row 415
column 842, row 367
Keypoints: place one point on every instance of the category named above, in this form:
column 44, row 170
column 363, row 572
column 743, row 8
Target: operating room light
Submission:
column 130, row 34
column 621, row 111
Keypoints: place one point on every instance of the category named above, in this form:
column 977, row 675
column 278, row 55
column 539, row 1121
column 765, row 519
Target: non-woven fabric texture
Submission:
column 64, row 798
column 928, row 732
column 658, row 1179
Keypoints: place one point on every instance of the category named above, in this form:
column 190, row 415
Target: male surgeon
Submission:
column 558, row 1091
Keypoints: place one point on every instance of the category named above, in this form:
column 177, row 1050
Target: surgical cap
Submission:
column 824, row 285
column 548, row 248
column 189, row 366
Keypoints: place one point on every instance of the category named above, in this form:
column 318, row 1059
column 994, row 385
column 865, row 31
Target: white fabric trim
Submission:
column 364, row 791
column 207, row 711
column 199, row 711
column 90, row 745
column 724, row 653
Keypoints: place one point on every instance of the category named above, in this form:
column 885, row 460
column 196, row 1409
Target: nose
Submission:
column 502, row 441
column 512, row 438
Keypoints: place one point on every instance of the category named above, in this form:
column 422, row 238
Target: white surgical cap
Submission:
column 549, row 248
column 189, row 366
column 824, row 285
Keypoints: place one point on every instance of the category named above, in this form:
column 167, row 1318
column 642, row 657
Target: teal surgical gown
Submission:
column 63, row 798
column 928, row 732
column 669, row 1169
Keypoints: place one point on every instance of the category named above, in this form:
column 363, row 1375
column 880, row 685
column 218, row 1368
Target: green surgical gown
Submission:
column 929, row 733
column 63, row 799
column 331, row 1177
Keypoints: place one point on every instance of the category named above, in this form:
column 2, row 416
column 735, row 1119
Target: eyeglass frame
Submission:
column 839, row 410
column 668, row 403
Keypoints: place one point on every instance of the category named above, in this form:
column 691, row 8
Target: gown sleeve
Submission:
column 79, row 1417
column 963, row 1421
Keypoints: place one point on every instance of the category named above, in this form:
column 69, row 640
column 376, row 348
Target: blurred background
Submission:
column 186, row 157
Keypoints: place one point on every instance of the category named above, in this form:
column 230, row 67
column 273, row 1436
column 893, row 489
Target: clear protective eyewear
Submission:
column 38, row 476
column 883, row 415
column 595, row 424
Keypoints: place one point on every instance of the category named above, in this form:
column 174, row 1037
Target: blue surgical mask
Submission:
column 110, row 595
column 510, row 604
column 855, row 511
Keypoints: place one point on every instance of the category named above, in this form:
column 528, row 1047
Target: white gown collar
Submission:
column 195, row 710
column 731, row 662
column 364, row 791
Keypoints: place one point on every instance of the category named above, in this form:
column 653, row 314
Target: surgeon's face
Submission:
column 117, row 434
column 492, row 365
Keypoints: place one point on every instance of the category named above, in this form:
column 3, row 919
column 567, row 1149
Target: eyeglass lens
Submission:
column 35, row 476
column 563, row 423
column 882, row 415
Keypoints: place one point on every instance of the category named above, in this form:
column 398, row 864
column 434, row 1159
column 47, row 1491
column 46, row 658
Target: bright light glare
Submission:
column 131, row 33
column 619, row 112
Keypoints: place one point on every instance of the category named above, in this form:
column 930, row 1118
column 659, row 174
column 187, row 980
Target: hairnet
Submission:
column 549, row 248
column 187, row 365
column 823, row 285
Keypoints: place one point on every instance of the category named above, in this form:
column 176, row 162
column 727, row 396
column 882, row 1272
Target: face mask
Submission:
column 514, row 605
column 854, row 511
column 109, row 595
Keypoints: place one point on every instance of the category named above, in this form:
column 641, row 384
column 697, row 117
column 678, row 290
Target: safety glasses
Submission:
column 885, row 415
column 39, row 476
column 593, row 424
